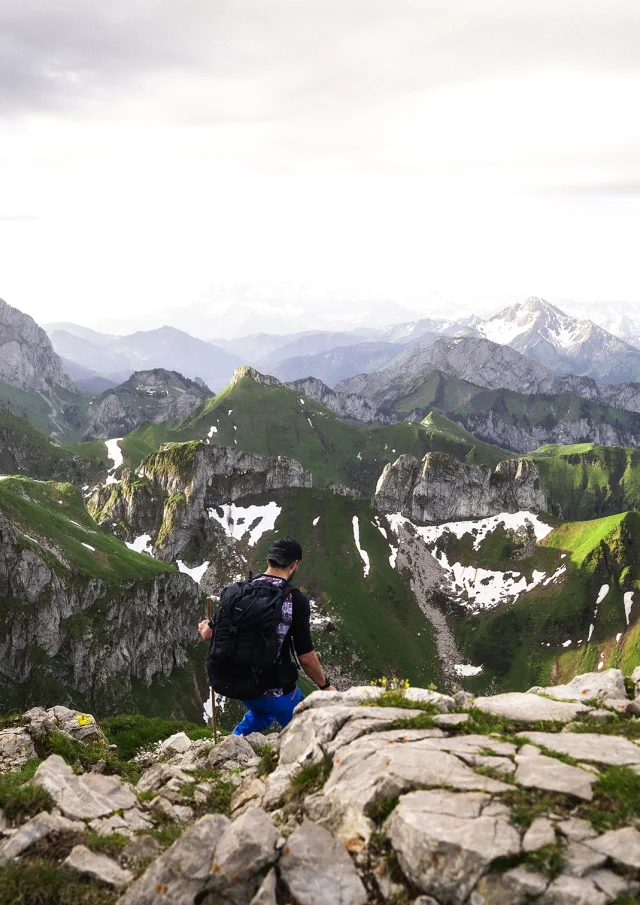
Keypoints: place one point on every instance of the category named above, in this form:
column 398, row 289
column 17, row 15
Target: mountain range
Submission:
column 462, row 507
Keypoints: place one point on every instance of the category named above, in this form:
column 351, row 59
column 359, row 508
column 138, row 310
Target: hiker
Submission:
column 262, row 629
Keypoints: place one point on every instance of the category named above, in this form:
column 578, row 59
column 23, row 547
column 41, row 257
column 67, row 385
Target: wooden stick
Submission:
column 213, row 694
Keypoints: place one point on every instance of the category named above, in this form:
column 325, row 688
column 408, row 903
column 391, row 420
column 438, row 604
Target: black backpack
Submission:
column 244, row 656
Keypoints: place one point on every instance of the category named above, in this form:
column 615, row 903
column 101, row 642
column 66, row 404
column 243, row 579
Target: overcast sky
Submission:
column 165, row 157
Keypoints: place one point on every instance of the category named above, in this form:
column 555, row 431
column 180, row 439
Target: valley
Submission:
column 461, row 510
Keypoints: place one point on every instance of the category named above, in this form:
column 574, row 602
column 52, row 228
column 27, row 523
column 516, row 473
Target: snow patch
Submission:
column 141, row 544
column 568, row 643
column 88, row 546
column 238, row 520
column 591, row 628
column 230, row 412
column 196, row 573
column 604, row 590
column 114, row 452
column 212, row 430
column 315, row 521
column 310, row 423
column 618, row 636
column 464, row 669
column 628, row 603
column 478, row 588
column 364, row 556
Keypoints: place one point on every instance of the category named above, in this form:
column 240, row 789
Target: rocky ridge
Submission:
column 408, row 797
column 27, row 358
column 441, row 489
column 170, row 495
column 156, row 395
column 85, row 637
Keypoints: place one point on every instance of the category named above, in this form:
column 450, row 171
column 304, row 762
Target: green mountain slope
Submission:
column 589, row 481
column 24, row 450
column 60, row 415
column 274, row 420
column 556, row 631
column 372, row 625
column 53, row 520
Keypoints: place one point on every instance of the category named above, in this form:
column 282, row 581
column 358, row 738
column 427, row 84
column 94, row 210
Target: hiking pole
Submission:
column 213, row 694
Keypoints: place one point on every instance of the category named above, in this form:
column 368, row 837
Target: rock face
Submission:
column 157, row 395
column 350, row 406
column 171, row 494
column 440, row 488
column 27, row 359
column 84, row 636
column 367, row 803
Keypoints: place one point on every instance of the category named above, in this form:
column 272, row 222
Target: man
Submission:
column 278, row 704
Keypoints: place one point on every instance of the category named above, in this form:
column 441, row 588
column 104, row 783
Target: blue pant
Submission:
column 261, row 712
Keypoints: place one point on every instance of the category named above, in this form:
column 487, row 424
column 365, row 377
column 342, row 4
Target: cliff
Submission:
column 170, row 495
column 27, row 358
column 440, row 488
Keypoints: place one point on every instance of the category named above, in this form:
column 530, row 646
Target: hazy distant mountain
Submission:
column 425, row 327
column 563, row 344
column 87, row 380
column 622, row 325
column 117, row 357
column 337, row 364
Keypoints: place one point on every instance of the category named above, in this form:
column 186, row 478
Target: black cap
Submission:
column 284, row 551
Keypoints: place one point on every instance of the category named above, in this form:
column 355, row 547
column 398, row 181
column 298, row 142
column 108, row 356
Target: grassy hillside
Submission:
column 25, row 450
column 527, row 643
column 61, row 415
column 274, row 420
column 52, row 518
column 376, row 626
column 590, row 481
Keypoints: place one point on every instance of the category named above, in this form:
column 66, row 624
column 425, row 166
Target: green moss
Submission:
column 110, row 845
column 268, row 759
column 616, row 799
column 18, row 798
column 41, row 882
column 310, row 778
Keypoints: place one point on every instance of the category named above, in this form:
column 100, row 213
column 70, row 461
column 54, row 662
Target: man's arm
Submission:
column 311, row 665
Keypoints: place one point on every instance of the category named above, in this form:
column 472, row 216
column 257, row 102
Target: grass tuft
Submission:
column 268, row 759
column 110, row 845
column 310, row 778
column 18, row 798
column 41, row 882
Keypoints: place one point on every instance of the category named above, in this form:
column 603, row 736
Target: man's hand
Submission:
column 205, row 630
column 330, row 688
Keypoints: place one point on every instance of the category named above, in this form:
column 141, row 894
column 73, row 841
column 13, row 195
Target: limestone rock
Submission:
column 530, row 708
column 540, row 833
column 139, row 850
column 445, row 855
column 605, row 749
column 87, row 796
column 98, row 867
column 159, row 775
column 443, row 489
column 373, row 767
column 622, row 846
column 607, row 685
column 16, row 748
column 635, row 678
column 576, row 830
column 612, row 885
column 181, row 873
column 39, row 827
column 27, row 358
column 176, row 744
column 573, row 891
column 514, row 887
column 318, row 871
column 581, row 860
column 266, row 895
column 232, row 748
column 552, row 775
column 257, row 740
column 246, row 849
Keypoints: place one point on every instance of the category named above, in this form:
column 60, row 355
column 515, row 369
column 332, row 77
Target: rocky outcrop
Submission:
column 156, row 395
column 376, row 797
column 350, row 406
column 27, row 358
column 170, row 496
column 440, row 488
column 69, row 637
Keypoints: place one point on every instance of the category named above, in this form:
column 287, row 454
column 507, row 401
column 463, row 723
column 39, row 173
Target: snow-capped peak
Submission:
column 536, row 315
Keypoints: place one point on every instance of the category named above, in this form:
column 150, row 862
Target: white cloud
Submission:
column 426, row 154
